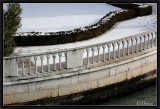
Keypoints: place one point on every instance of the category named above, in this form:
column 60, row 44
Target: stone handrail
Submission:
column 16, row 66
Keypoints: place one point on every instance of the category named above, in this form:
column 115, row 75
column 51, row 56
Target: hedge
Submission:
column 79, row 34
column 141, row 9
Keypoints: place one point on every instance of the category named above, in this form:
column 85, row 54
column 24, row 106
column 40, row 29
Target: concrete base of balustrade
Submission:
column 102, row 94
column 79, row 81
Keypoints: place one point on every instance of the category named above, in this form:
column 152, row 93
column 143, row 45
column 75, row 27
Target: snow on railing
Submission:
column 50, row 62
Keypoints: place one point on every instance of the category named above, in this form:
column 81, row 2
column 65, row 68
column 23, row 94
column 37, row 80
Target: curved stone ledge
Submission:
column 79, row 81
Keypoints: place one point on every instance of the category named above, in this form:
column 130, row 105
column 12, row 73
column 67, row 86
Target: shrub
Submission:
column 140, row 9
column 11, row 23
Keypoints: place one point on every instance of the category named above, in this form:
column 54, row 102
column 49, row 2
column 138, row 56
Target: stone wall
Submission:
column 78, row 80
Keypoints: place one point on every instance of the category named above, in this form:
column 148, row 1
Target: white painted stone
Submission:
column 64, row 90
column 134, row 64
column 75, row 88
column 121, row 68
column 32, row 87
column 102, row 82
column 144, row 69
column 143, row 61
column 150, row 59
column 14, row 89
column 133, row 73
column 99, row 74
column 54, row 92
column 81, row 81
column 120, row 77
column 151, row 66
column 74, row 58
column 84, row 78
column 94, row 84
column 8, row 99
column 44, row 85
column 112, row 71
column 32, row 96
column 65, row 81
column 74, row 79
column 86, row 86
column 10, row 67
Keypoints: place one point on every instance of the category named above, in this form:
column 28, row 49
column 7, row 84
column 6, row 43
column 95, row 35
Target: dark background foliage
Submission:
column 11, row 23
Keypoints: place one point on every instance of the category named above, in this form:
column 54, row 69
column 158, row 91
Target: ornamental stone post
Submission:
column 109, row 45
column 98, row 48
column 104, row 46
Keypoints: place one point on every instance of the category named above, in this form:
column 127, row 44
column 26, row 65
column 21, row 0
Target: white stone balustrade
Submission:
column 35, row 63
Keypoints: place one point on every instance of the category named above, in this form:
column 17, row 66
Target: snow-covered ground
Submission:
column 119, row 30
column 53, row 17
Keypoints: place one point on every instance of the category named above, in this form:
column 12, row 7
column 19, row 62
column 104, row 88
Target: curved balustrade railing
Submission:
column 50, row 62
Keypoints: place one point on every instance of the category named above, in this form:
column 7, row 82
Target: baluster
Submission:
column 128, row 40
column 17, row 61
column 123, row 49
column 35, row 59
column 151, row 40
column 60, row 55
column 113, row 44
column 148, row 41
column 42, row 57
column 155, row 38
column 119, row 43
column 87, row 50
column 144, row 42
column 48, row 66
column 140, row 43
column 109, row 45
column 104, row 46
column 98, row 48
column 137, row 49
column 29, row 65
column 65, row 54
column 132, row 40
column 23, row 70
column 54, row 61
column 93, row 49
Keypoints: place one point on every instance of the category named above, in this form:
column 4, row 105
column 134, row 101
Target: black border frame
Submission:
column 77, row 1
